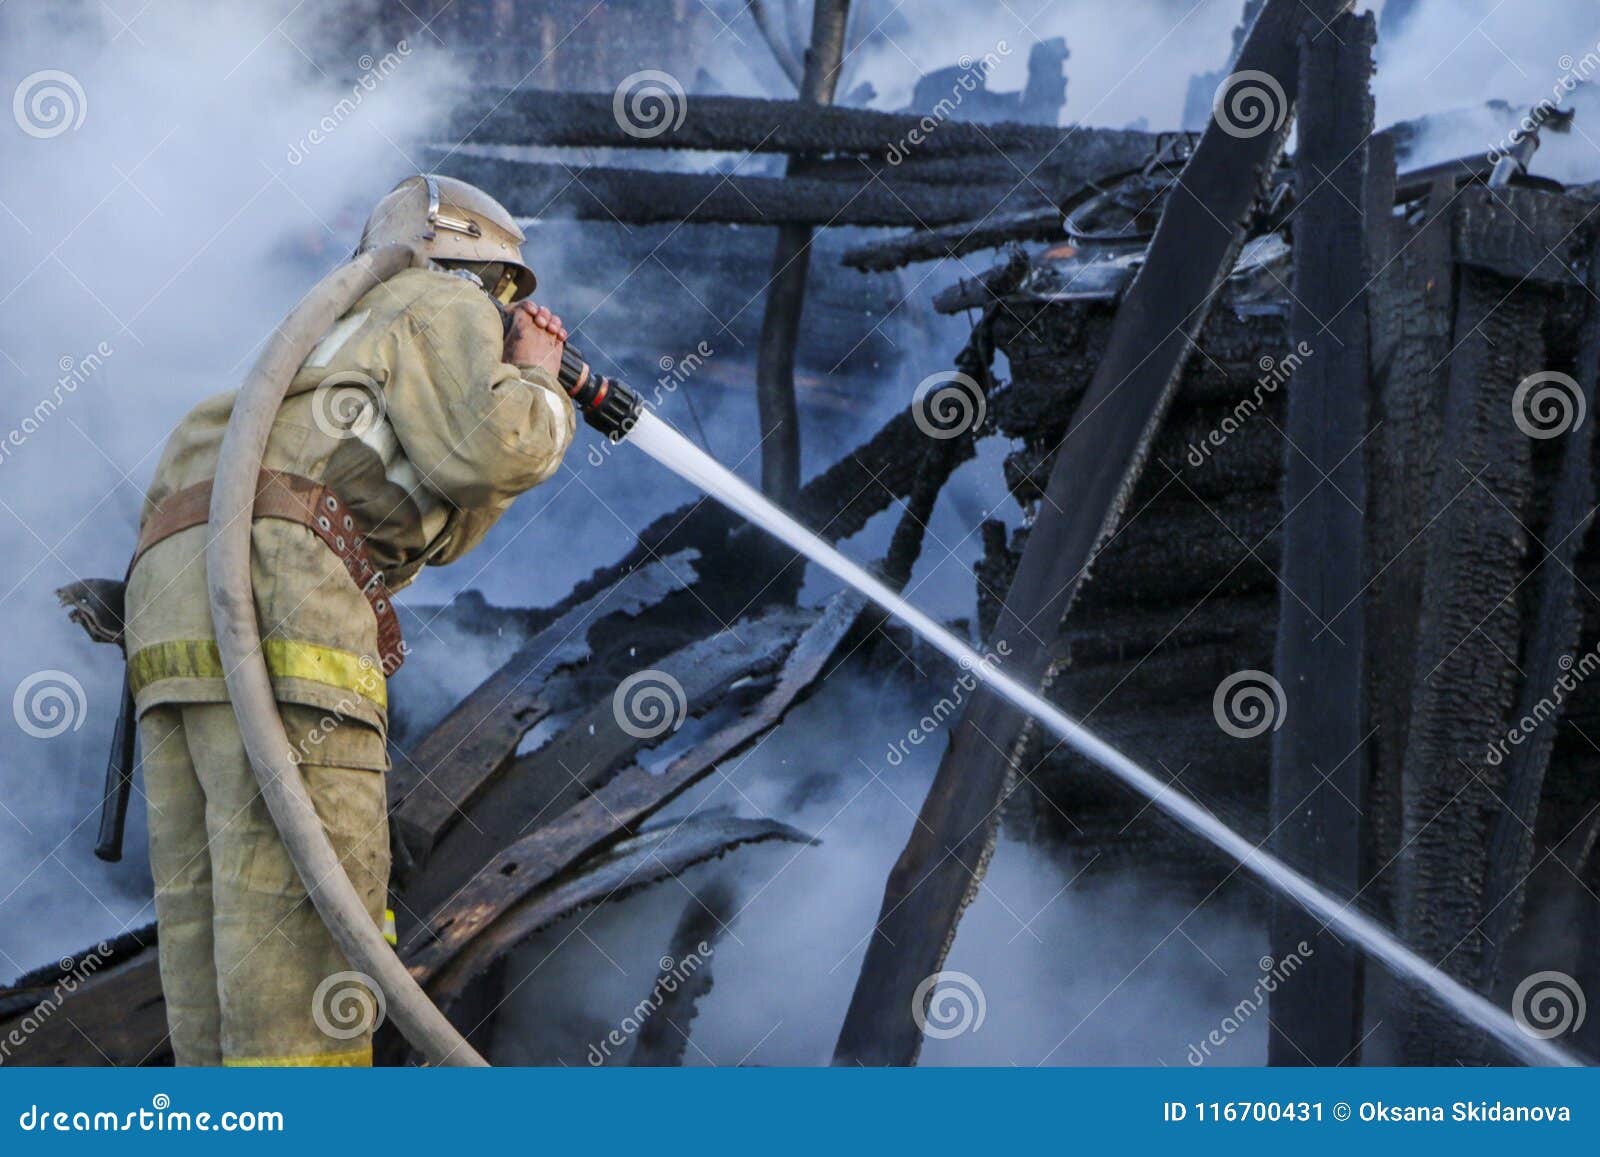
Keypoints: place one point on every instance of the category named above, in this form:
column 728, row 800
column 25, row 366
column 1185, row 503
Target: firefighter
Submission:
column 408, row 431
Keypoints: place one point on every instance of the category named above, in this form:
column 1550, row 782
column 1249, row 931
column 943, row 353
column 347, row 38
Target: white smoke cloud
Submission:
column 150, row 247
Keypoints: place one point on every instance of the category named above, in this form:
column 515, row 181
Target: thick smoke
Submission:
column 150, row 248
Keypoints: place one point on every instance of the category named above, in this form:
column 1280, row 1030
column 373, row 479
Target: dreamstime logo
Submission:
column 75, row 372
column 948, row 404
column 649, row 703
column 347, row 1005
column 1547, row 405
column 1273, row 974
column 1250, row 103
column 673, row 974
column 1248, row 703
column 347, row 405
column 48, row 103
column 974, row 76
column 948, row 1004
column 674, row 373
column 1274, row 373
column 649, row 103
column 1548, row 1004
column 71, row 975
column 372, row 72
column 48, row 703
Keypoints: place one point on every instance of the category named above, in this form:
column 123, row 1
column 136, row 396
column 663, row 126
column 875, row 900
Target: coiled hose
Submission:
column 233, row 615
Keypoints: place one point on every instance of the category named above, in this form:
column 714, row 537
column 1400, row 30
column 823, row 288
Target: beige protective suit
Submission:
column 407, row 413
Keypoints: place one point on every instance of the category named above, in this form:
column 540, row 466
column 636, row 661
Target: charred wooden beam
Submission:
column 1557, row 622
column 664, row 1037
column 956, row 240
column 736, row 124
column 428, row 789
column 1319, row 754
column 1524, row 235
column 541, row 785
column 520, row 869
column 988, row 287
column 1464, row 680
column 1196, row 243
column 653, row 855
column 102, row 1007
column 648, row 197
column 778, row 413
column 1412, row 313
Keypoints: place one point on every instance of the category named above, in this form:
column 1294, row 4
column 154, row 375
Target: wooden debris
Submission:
column 626, row 800
column 453, row 763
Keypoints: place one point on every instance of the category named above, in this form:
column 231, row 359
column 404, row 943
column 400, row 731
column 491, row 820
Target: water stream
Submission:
column 679, row 455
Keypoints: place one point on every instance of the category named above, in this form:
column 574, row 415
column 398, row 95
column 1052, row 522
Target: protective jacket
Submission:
column 405, row 412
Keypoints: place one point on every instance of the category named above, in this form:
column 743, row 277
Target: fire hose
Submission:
column 238, row 632
column 607, row 405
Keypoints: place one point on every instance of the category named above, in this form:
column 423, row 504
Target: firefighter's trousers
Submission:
column 251, row 975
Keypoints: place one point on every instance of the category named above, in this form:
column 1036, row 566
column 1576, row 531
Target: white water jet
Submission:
column 679, row 455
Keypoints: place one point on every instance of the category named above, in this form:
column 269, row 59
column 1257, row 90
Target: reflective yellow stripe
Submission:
column 355, row 1058
column 390, row 930
column 286, row 659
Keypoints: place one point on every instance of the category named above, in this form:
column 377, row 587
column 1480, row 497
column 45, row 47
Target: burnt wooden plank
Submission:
column 1195, row 244
column 1319, row 750
column 626, row 800
column 676, row 993
column 527, row 116
column 956, row 240
column 1465, row 681
column 1412, row 313
column 652, row 855
column 110, row 1014
column 544, row 783
column 647, row 196
column 1524, row 234
column 1554, row 640
column 776, row 408
column 453, row 762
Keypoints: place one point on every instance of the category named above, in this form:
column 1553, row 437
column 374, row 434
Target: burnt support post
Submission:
column 1197, row 241
column 1320, row 753
column 786, row 291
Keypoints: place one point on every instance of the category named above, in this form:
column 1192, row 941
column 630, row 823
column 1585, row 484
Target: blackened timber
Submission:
column 974, row 381
column 627, row 799
column 1557, row 620
column 103, row 1007
column 735, row 124
column 1412, row 308
column 1465, row 680
column 776, row 408
column 1524, row 234
column 657, row 854
column 541, row 785
column 685, row 974
column 1195, row 245
column 428, row 788
column 1319, row 753
column 956, row 240
column 988, row 287
column 649, row 197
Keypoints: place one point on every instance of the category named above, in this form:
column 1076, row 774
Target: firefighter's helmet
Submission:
column 457, row 225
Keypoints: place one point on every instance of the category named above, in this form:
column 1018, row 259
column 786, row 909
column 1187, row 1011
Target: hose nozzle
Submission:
column 605, row 403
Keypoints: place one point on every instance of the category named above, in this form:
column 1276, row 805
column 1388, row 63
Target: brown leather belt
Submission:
column 312, row 504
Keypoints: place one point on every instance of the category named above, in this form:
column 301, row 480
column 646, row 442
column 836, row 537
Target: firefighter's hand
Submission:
column 536, row 337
